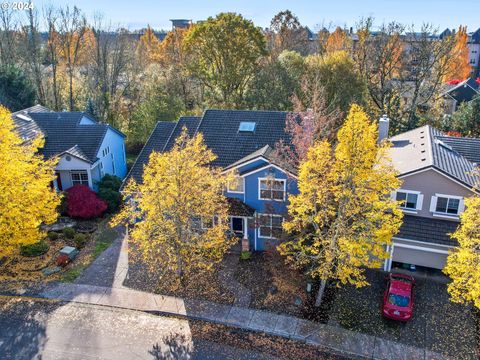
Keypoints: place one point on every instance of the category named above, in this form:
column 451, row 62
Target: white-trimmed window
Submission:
column 106, row 151
column 449, row 205
column 410, row 200
column 271, row 189
column 269, row 226
column 237, row 185
column 79, row 177
column 208, row 222
column 113, row 163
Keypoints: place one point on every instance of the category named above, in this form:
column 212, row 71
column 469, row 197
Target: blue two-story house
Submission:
column 86, row 149
column 243, row 142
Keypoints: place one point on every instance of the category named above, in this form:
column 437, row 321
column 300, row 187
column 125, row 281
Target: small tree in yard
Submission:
column 463, row 263
column 343, row 216
column 82, row 202
column 26, row 198
column 180, row 192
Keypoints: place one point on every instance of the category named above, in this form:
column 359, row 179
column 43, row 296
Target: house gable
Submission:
column 430, row 182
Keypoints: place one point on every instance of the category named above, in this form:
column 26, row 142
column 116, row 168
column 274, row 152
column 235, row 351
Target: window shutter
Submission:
column 461, row 206
column 433, row 204
column 393, row 195
column 419, row 201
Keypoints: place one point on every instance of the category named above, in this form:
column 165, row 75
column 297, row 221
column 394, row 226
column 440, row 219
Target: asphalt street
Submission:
column 43, row 330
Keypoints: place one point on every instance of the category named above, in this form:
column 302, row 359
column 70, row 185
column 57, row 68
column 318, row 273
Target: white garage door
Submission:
column 419, row 257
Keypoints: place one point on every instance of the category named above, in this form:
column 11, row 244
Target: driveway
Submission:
column 438, row 324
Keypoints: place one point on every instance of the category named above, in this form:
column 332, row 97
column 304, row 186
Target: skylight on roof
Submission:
column 24, row 117
column 246, row 126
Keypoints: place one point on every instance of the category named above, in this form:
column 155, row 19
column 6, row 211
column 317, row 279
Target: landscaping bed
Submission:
column 274, row 286
column 37, row 263
column 203, row 286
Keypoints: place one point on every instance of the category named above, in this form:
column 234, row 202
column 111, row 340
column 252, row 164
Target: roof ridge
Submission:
column 238, row 110
column 171, row 134
column 409, row 131
column 143, row 147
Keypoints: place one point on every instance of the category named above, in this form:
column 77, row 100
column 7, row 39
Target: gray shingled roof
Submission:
column 190, row 122
column 465, row 146
column 237, row 207
column 426, row 147
column 221, row 135
column 156, row 142
column 63, row 132
column 220, row 131
column 428, row 230
column 24, row 124
column 161, row 139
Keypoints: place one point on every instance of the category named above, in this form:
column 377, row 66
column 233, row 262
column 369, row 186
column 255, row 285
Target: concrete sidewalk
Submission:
column 335, row 338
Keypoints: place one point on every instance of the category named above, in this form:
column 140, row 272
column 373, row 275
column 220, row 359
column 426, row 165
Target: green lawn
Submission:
column 102, row 240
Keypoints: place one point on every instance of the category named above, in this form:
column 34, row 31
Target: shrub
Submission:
column 36, row 249
column 52, row 235
column 245, row 255
column 69, row 233
column 108, row 190
column 83, row 203
column 80, row 240
column 62, row 208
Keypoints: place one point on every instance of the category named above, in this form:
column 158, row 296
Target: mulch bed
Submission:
column 270, row 345
column 274, row 286
column 204, row 286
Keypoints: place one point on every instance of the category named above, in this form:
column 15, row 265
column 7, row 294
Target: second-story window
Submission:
column 272, row 189
column 410, row 200
column 447, row 205
column 236, row 185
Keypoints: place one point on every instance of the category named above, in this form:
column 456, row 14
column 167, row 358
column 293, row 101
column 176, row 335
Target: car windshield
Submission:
column 399, row 300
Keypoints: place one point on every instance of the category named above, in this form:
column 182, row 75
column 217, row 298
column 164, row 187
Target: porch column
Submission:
column 245, row 242
column 90, row 182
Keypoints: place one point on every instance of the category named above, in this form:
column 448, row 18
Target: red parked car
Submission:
column 398, row 297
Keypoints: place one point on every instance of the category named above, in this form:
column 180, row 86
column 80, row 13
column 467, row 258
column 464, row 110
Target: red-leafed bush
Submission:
column 454, row 82
column 454, row 133
column 83, row 203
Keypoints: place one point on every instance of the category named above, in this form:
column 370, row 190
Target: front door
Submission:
column 59, row 182
column 237, row 225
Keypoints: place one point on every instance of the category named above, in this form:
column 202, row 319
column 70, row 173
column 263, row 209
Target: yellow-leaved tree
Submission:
column 463, row 263
column 343, row 216
column 26, row 198
column 179, row 213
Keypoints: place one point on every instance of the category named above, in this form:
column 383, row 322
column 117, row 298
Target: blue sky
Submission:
column 138, row 13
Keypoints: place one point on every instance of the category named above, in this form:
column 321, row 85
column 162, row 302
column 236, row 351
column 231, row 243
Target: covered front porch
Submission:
column 71, row 171
column 242, row 222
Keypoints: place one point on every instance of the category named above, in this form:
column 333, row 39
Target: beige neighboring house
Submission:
column 437, row 175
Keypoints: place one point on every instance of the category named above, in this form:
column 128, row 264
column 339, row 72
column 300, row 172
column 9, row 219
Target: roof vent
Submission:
column 442, row 144
column 246, row 126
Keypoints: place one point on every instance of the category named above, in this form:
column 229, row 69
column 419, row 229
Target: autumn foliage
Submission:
column 344, row 216
column 172, row 212
column 83, row 203
column 463, row 263
column 26, row 198
column 459, row 60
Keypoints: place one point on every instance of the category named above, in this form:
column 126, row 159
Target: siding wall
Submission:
column 251, row 198
column 430, row 183
column 64, row 166
column 116, row 143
